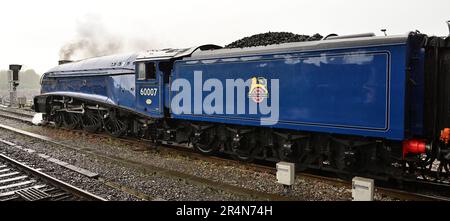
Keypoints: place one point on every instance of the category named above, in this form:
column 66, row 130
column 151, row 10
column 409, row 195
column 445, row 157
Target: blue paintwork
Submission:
column 110, row 78
column 347, row 91
column 155, row 108
column 417, row 87
column 353, row 91
column 115, row 89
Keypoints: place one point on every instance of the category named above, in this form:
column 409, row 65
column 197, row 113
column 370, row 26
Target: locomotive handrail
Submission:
column 362, row 35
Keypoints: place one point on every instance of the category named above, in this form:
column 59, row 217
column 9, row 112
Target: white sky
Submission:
column 32, row 32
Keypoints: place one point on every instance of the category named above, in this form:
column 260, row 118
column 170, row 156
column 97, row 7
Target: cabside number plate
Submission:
column 149, row 91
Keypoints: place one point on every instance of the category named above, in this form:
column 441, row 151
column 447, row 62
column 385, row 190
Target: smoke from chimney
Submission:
column 93, row 39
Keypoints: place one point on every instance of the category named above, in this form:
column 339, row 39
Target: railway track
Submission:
column 22, row 113
column 422, row 189
column 19, row 182
column 15, row 115
column 151, row 169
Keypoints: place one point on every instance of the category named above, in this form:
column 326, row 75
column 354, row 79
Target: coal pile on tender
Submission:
column 270, row 38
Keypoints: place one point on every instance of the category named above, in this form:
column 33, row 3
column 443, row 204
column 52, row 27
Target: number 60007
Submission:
column 149, row 91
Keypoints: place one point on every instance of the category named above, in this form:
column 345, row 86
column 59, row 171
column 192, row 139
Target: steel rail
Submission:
column 51, row 180
column 148, row 168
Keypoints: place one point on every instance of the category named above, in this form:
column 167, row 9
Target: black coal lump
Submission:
column 270, row 38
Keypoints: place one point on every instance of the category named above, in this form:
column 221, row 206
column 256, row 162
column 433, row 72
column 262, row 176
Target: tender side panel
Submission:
column 354, row 91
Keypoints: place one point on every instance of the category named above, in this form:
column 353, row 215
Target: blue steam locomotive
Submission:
column 358, row 104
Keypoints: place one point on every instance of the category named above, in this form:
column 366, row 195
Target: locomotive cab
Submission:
column 149, row 81
column 153, row 73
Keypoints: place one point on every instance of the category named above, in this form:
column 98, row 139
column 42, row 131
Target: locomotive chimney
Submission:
column 60, row 62
column 448, row 24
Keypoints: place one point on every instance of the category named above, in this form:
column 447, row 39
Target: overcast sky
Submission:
column 33, row 32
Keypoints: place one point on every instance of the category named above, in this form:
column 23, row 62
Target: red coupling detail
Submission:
column 413, row 146
column 445, row 135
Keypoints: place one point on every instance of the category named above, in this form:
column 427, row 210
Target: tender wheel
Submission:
column 296, row 149
column 92, row 121
column 305, row 158
column 301, row 156
column 115, row 126
column 205, row 142
column 285, row 152
column 341, row 162
column 244, row 155
column 71, row 120
column 243, row 149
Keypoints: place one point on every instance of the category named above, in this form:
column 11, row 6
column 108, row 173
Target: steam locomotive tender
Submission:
column 368, row 105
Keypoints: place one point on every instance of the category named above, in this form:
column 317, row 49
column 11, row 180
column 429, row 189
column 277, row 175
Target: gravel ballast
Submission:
column 165, row 188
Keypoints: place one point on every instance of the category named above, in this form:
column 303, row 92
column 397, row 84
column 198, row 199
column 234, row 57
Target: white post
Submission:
column 362, row 189
column 286, row 175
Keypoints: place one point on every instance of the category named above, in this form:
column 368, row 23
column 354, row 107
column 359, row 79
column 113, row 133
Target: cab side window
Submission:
column 147, row 71
column 150, row 69
column 141, row 71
